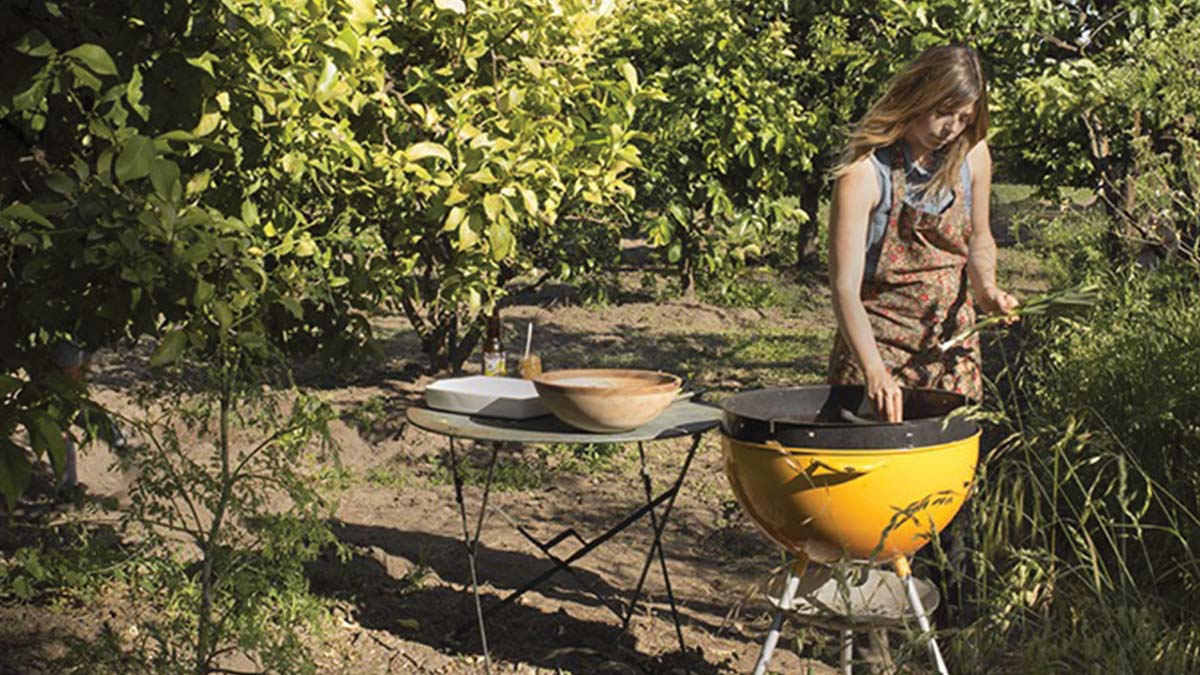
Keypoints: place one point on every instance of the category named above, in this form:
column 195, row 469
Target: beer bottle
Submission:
column 494, row 358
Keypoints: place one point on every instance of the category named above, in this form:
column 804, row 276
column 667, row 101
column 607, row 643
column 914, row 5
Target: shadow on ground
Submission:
column 418, row 609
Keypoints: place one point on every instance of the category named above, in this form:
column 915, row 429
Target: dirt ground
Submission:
column 407, row 586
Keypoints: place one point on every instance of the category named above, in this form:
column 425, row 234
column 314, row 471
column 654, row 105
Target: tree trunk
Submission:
column 687, row 262
column 1116, row 188
column 810, row 203
column 205, row 639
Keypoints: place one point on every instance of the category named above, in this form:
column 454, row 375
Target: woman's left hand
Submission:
column 997, row 302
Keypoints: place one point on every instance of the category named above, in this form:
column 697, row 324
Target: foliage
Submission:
column 198, row 178
column 1085, row 515
column 247, row 182
column 730, row 138
column 1135, row 375
column 1114, row 89
column 270, row 173
column 1070, row 244
column 254, row 512
column 756, row 102
column 519, row 143
column 178, row 188
column 69, row 563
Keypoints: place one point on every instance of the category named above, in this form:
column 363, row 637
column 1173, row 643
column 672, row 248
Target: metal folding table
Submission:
column 682, row 418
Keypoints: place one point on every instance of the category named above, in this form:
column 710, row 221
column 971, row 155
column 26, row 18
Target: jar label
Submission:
column 494, row 364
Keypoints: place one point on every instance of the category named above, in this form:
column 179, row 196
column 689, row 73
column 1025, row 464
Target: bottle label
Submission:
column 494, row 364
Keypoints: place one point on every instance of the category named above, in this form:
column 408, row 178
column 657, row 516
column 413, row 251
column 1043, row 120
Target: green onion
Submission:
column 1049, row 304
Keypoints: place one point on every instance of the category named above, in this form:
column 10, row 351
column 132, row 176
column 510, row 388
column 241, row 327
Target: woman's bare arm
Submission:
column 981, row 257
column 855, row 193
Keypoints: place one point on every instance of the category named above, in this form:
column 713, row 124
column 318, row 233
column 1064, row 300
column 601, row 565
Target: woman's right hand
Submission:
column 885, row 395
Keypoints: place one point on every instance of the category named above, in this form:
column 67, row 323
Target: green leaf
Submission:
column 33, row 96
column 223, row 314
column 164, row 174
column 198, row 183
column 34, row 44
column 361, row 11
column 15, row 471
column 529, row 197
column 135, row 159
column 47, row 437
column 169, row 349
column 466, row 234
column 60, row 183
column 455, row 196
column 454, row 218
column 305, row 248
column 250, row 213
column 532, row 66
column 501, row 240
column 425, row 149
column 493, row 206
column 204, row 62
column 94, row 57
column 85, row 78
column 177, row 135
column 483, row 176
column 26, row 212
column 349, row 42
column 292, row 306
column 204, row 293
column 207, row 124
column 474, row 301
column 456, row 6
column 328, row 79
column 630, row 74
column 133, row 94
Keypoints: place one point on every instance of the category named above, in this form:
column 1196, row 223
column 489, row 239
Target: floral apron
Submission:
column 918, row 299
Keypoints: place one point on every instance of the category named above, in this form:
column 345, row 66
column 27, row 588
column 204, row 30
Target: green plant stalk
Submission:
column 204, row 647
column 1050, row 304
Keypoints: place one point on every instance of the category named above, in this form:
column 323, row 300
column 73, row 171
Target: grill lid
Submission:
column 840, row 417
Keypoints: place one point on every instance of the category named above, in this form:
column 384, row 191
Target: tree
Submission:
column 514, row 136
column 731, row 141
column 1111, row 104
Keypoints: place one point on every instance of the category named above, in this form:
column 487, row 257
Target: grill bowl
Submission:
column 832, row 489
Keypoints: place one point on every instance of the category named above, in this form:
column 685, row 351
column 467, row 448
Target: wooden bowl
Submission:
column 607, row 400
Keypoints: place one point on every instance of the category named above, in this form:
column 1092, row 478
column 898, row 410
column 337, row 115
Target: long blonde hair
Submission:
column 940, row 78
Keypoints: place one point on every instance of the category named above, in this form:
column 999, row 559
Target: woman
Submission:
column 909, row 234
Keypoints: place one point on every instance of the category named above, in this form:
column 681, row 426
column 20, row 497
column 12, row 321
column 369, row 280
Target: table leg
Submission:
column 547, row 549
column 472, row 543
column 566, row 562
column 656, row 545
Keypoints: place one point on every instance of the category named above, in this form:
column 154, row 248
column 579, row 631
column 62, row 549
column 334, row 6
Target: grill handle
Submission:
column 848, row 469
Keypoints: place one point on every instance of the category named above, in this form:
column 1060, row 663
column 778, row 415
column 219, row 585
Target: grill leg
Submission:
column 914, row 600
column 847, row 652
column 791, row 584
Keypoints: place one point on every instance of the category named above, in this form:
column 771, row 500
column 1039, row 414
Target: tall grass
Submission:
column 1086, row 509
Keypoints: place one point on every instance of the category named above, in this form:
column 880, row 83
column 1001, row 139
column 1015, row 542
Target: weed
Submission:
column 387, row 476
column 583, row 458
column 366, row 415
column 70, row 562
column 510, row 474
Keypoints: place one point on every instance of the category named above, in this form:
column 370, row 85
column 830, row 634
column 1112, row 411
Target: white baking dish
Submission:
column 507, row 397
